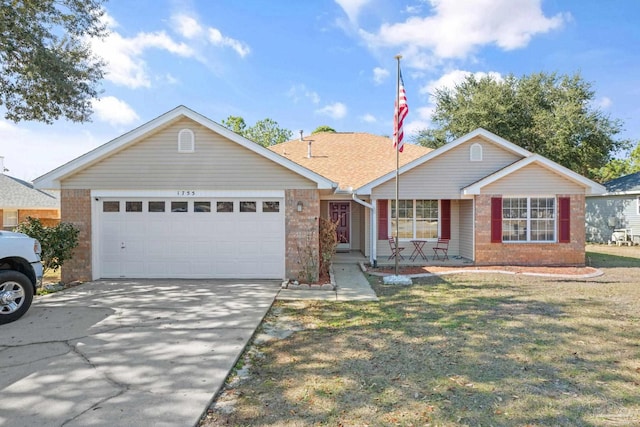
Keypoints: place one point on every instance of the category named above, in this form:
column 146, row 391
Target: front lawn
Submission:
column 471, row 349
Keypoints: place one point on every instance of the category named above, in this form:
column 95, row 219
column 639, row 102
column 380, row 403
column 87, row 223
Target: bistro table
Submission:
column 417, row 250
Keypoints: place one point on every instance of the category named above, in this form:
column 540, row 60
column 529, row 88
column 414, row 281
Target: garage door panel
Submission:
column 191, row 244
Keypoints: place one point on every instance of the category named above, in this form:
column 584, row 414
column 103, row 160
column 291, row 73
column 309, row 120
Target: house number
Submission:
column 186, row 193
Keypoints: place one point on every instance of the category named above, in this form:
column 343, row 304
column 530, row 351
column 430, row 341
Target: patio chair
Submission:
column 441, row 247
column 395, row 250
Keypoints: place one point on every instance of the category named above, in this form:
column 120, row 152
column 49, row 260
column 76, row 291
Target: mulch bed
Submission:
column 411, row 270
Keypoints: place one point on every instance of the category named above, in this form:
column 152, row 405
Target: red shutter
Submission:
column 564, row 226
column 496, row 220
column 445, row 218
column 383, row 219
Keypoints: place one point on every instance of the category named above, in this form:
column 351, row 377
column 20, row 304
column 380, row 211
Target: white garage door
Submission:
column 191, row 238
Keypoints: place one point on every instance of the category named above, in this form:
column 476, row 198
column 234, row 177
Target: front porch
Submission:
column 383, row 261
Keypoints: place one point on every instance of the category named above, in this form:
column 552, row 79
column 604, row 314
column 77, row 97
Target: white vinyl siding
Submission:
column 154, row 163
column 533, row 179
column 466, row 228
column 426, row 181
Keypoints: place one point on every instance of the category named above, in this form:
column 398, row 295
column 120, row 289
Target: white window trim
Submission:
column 555, row 218
column 390, row 229
column 638, row 205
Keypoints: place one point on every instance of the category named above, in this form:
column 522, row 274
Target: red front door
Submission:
column 340, row 212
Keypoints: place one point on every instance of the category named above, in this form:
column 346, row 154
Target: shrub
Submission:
column 58, row 242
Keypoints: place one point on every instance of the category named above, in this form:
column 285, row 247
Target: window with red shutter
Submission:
column 564, row 228
column 496, row 220
column 445, row 218
column 383, row 219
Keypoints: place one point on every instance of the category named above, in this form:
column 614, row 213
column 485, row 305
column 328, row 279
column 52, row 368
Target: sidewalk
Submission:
column 351, row 285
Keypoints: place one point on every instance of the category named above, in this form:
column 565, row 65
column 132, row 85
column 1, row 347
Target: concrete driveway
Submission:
column 126, row 353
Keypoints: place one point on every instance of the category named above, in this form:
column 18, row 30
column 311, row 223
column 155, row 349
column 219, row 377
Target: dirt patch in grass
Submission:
column 457, row 350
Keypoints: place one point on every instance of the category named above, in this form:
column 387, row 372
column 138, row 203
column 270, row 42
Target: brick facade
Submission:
column 549, row 254
column 48, row 217
column 76, row 209
column 301, row 229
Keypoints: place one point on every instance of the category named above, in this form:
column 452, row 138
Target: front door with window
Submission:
column 339, row 212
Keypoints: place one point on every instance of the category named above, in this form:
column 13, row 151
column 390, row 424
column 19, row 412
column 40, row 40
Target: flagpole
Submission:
column 397, row 145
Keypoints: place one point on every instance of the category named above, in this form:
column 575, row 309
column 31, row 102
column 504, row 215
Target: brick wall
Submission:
column 76, row 209
column 48, row 217
column 301, row 230
column 568, row 254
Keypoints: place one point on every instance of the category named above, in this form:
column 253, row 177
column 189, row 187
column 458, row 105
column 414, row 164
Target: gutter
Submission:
column 372, row 222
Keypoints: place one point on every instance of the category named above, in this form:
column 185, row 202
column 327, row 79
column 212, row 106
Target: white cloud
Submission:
column 604, row 102
column 299, row 91
column 352, row 8
column 337, row 110
column 457, row 29
column 216, row 38
column 414, row 126
column 380, row 75
column 187, row 26
column 28, row 154
column 123, row 56
column 114, row 111
column 452, row 78
column 368, row 118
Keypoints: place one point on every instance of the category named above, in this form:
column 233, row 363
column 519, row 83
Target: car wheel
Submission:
column 16, row 294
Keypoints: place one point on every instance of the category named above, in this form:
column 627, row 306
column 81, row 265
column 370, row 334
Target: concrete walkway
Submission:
column 351, row 285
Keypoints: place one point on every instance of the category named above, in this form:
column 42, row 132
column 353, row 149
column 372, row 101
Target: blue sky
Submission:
column 331, row 62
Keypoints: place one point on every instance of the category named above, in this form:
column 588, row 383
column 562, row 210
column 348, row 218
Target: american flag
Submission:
column 399, row 116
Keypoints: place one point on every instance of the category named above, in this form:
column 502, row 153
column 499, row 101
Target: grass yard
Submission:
column 464, row 350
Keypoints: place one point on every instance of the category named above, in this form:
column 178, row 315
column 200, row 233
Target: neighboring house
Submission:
column 183, row 197
column 19, row 200
column 617, row 209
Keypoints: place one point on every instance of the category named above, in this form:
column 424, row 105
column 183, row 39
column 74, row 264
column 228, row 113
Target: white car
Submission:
column 20, row 274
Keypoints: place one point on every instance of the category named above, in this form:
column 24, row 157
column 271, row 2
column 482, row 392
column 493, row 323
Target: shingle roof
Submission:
column 351, row 159
column 18, row 194
column 628, row 183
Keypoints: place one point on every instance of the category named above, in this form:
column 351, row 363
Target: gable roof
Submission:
column 52, row 179
column 485, row 134
column 590, row 186
column 18, row 194
column 628, row 184
column 349, row 158
column 528, row 157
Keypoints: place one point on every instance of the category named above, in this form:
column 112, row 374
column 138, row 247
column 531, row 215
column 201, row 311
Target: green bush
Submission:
column 57, row 242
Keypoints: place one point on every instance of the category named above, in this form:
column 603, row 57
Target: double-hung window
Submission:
column 414, row 219
column 528, row 219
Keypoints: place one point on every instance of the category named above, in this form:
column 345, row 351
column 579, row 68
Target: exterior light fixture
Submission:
column 299, row 207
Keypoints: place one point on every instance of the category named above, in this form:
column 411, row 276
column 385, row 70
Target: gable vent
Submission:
column 186, row 141
column 475, row 153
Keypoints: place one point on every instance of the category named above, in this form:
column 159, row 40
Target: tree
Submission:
column 265, row 132
column 323, row 128
column 57, row 242
column 621, row 167
column 547, row 114
column 47, row 69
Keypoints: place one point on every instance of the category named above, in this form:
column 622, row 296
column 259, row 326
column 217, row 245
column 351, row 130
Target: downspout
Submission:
column 372, row 240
